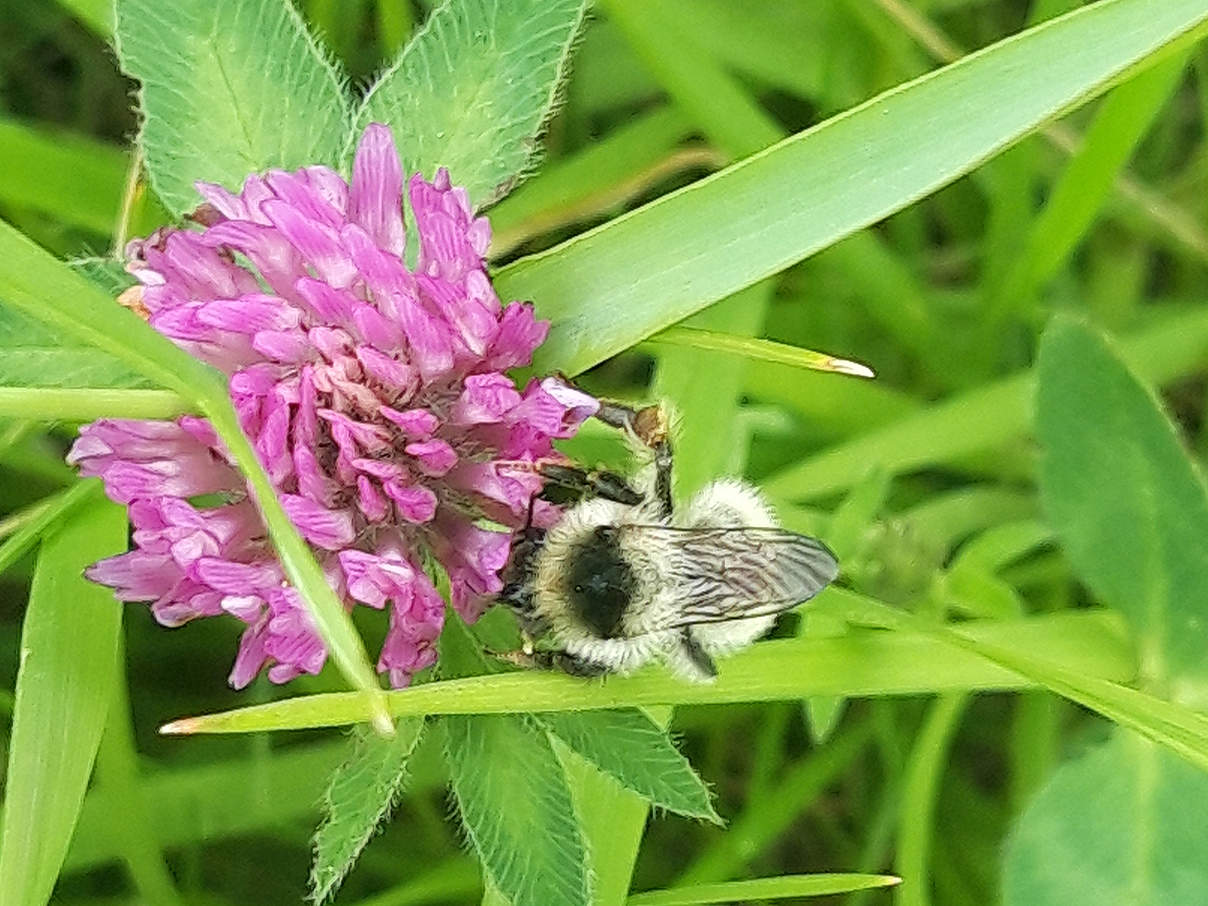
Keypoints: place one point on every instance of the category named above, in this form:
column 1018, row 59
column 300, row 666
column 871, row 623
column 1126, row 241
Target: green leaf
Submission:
column 64, row 686
column 512, row 797
column 229, row 87
column 474, row 88
column 860, row 663
column 776, row 888
column 32, row 355
column 1129, row 506
column 612, row 286
column 1124, row 823
column 632, row 749
column 363, row 792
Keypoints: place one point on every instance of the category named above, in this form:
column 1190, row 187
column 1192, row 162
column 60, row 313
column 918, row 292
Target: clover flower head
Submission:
column 375, row 396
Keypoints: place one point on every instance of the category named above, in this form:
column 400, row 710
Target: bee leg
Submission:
column 696, row 654
column 562, row 661
column 573, row 664
column 591, row 482
column 649, row 426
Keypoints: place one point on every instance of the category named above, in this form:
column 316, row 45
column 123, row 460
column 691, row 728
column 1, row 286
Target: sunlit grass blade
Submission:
column 781, row 887
column 858, row 664
column 1175, row 726
column 619, row 283
column 755, row 348
column 84, row 404
column 64, row 687
column 32, row 281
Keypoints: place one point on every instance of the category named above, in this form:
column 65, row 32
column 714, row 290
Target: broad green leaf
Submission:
column 629, row 747
column 512, row 797
column 229, row 87
column 610, row 287
column 1129, row 506
column 67, row 676
column 362, row 793
column 31, row 355
column 474, row 88
column 777, row 888
column 860, row 663
column 1123, row 823
column 39, row 286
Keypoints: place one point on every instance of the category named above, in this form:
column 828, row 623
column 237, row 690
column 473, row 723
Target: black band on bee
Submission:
column 600, row 583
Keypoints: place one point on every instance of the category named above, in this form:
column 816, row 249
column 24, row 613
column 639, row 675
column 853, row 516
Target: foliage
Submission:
column 1017, row 500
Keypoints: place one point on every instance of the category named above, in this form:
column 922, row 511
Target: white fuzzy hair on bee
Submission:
column 625, row 578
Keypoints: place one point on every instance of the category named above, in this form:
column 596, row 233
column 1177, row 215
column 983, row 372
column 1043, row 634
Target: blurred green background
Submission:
column 925, row 481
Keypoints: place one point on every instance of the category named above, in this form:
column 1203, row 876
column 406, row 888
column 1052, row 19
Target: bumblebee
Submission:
column 625, row 578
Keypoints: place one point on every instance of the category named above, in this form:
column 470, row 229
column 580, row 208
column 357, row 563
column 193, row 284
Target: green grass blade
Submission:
column 613, row 286
column 595, row 179
column 781, row 887
column 49, row 512
column 85, row 404
column 33, row 282
column 76, row 180
column 916, row 817
column 1088, row 180
column 229, row 87
column 1175, row 726
column 980, row 419
column 755, row 348
column 64, row 687
column 858, row 664
column 215, row 800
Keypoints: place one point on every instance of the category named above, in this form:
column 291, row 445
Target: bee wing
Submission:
column 734, row 573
